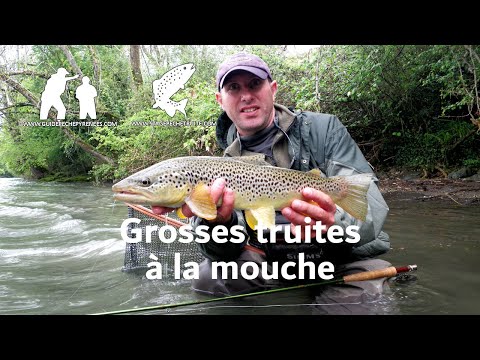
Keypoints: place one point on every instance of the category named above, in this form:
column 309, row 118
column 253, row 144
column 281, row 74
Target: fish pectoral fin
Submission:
column 201, row 203
column 316, row 172
column 258, row 159
column 265, row 216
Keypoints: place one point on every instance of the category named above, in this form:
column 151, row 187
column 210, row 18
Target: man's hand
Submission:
column 324, row 211
column 217, row 191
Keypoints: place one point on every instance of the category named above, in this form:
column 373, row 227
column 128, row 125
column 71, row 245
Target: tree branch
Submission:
column 28, row 72
column 150, row 57
column 20, row 89
column 463, row 139
column 15, row 106
column 469, row 106
column 317, row 94
column 474, row 53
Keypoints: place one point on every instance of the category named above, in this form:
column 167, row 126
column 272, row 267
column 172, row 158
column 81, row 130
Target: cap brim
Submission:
column 262, row 74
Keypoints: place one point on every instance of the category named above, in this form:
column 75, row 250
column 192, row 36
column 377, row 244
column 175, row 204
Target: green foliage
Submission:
column 411, row 105
column 3, row 166
column 455, row 71
column 472, row 163
column 200, row 140
column 138, row 142
column 391, row 98
column 434, row 147
column 47, row 152
column 40, row 151
column 102, row 172
column 32, row 153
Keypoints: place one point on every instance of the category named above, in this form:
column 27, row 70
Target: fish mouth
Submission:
column 131, row 196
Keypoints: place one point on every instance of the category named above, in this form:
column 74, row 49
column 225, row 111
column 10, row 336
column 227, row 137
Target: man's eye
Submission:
column 255, row 83
column 233, row 87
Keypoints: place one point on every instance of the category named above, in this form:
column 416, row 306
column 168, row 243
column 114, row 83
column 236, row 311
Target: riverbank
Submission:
column 459, row 191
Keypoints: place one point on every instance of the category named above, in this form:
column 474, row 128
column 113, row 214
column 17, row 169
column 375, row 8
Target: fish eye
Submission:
column 146, row 182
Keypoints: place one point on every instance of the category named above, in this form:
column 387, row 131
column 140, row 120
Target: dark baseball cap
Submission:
column 242, row 61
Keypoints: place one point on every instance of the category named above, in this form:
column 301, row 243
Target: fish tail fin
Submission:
column 354, row 199
column 181, row 106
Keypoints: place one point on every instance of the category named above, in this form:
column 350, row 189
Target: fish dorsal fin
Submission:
column 258, row 159
column 201, row 203
column 263, row 215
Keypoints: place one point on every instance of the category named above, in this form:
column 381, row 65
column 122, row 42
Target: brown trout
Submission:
column 259, row 188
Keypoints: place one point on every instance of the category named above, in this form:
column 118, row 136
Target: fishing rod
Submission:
column 361, row 276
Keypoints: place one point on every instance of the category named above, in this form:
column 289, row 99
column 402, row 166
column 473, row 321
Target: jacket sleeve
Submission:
column 344, row 157
column 225, row 251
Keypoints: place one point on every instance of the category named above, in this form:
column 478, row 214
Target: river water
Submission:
column 61, row 252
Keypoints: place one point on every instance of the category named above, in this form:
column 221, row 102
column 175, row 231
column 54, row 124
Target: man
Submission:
column 252, row 123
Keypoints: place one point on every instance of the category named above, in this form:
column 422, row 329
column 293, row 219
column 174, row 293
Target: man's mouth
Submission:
column 249, row 109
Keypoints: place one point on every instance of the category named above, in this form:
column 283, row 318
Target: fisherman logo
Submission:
column 56, row 86
column 168, row 85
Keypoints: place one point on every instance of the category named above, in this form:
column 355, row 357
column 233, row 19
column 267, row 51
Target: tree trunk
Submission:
column 135, row 64
column 96, row 66
column 71, row 60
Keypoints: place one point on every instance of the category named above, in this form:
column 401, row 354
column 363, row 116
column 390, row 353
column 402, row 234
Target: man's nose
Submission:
column 246, row 95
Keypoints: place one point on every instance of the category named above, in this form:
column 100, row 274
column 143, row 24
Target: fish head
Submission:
column 178, row 75
column 157, row 185
column 188, row 70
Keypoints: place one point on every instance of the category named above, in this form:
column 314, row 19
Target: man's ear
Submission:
column 273, row 86
column 218, row 97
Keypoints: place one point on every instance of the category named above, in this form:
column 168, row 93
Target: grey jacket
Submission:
column 307, row 141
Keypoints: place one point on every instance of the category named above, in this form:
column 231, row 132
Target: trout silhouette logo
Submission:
column 168, row 85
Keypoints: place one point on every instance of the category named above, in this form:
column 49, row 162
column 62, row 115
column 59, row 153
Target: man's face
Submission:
column 248, row 101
